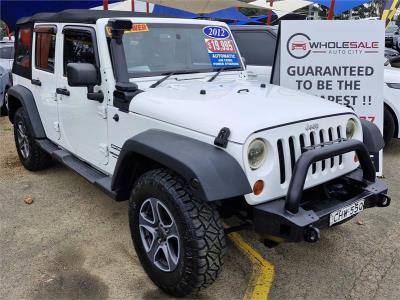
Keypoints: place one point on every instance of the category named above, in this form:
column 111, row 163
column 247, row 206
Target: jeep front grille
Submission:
column 291, row 148
column 285, row 145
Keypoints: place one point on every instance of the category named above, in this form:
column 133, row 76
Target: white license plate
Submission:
column 346, row 212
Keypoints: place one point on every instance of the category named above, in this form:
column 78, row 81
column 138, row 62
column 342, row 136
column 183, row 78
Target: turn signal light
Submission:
column 258, row 187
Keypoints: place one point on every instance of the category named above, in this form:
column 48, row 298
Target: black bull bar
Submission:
column 299, row 216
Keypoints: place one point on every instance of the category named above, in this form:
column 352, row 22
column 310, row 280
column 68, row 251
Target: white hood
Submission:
column 242, row 112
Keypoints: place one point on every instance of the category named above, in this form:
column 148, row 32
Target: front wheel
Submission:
column 179, row 239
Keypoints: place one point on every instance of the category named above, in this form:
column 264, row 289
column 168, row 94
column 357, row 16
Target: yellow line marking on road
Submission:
column 263, row 271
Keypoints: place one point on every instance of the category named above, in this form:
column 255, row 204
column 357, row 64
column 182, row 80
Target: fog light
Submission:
column 258, row 187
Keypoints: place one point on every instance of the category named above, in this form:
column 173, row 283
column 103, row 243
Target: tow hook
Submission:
column 384, row 201
column 311, row 234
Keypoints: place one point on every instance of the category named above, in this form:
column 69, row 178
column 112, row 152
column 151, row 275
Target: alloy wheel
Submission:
column 159, row 235
column 23, row 141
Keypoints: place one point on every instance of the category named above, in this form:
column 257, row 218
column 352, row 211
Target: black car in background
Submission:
column 391, row 35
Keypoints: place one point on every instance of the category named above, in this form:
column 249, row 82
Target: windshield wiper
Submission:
column 158, row 82
column 169, row 74
column 219, row 72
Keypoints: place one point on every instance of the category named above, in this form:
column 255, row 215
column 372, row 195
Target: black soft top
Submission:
column 87, row 16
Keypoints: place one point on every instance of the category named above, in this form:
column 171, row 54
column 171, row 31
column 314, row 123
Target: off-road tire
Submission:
column 201, row 233
column 37, row 159
column 389, row 126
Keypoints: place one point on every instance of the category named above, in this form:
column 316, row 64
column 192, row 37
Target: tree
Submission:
column 379, row 5
column 3, row 31
column 253, row 11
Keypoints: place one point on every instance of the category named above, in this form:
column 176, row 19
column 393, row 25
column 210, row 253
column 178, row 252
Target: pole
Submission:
column 133, row 5
column 105, row 4
column 147, row 7
column 236, row 21
column 269, row 19
column 331, row 10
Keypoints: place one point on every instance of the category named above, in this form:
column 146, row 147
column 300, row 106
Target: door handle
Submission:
column 36, row 82
column 62, row 91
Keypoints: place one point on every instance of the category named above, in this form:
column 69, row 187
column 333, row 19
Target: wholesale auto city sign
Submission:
column 340, row 61
column 300, row 45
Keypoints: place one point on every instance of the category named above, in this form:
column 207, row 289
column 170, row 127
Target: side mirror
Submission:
column 85, row 75
column 395, row 62
column 82, row 74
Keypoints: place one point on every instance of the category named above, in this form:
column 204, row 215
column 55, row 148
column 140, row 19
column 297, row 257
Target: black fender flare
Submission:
column 211, row 173
column 21, row 94
column 372, row 137
column 396, row 119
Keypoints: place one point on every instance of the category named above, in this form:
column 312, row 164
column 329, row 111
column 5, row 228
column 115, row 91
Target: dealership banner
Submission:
column 340, row 61
column 389, row 10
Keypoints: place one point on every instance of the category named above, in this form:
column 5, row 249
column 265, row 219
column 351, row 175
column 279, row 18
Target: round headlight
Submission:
column 350, row 128
column 256, row 153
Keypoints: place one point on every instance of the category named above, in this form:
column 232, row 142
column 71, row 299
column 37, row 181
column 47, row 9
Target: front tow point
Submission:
column 312, row 234
column 384, row 201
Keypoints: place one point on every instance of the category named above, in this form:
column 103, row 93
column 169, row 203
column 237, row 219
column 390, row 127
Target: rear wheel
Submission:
column 179, row 239
column 30, row 154
column 389, row 126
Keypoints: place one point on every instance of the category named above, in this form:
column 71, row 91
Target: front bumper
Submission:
column 301, row 215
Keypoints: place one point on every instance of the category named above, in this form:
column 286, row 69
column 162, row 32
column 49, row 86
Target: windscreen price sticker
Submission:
column 340, row 61
column 222, row 53
column 139, row 28
column 225, row 46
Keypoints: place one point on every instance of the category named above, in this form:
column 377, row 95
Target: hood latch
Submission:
column 222, row 138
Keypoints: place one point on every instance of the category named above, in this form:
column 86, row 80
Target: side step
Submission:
column 47, row 146
column 89, row 173
column 86, row 171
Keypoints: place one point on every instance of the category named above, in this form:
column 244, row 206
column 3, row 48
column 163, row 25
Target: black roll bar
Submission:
column 320, row 152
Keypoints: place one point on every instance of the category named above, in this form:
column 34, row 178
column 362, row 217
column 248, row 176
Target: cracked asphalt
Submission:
column 73, row 242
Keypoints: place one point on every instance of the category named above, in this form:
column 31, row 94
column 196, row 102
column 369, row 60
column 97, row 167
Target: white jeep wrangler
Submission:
column 159, row 111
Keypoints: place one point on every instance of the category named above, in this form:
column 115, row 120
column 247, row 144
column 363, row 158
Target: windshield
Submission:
column 158, row 49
